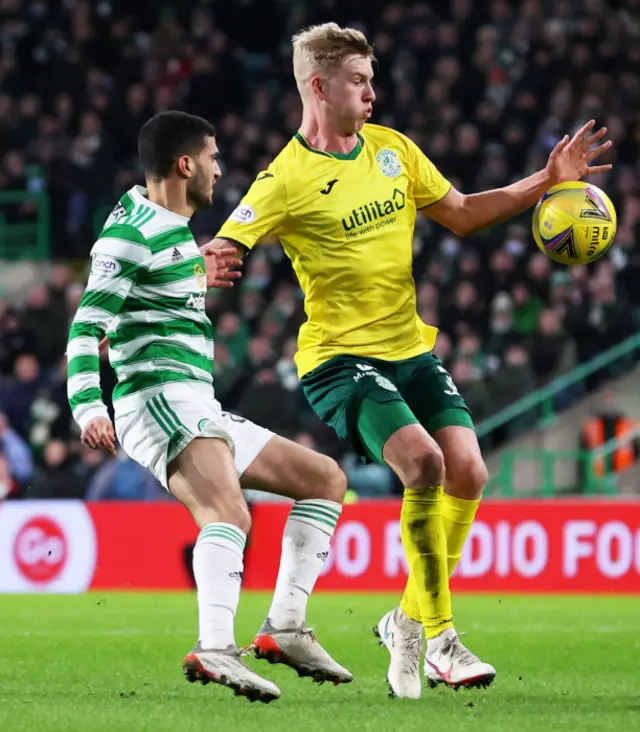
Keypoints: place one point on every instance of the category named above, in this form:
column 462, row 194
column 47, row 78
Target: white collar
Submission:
column 139, row 195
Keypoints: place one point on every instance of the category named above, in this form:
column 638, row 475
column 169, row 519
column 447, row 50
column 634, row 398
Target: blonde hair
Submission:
column 321, row 48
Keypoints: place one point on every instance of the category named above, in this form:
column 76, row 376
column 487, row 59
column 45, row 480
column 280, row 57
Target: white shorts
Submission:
column 154, row 427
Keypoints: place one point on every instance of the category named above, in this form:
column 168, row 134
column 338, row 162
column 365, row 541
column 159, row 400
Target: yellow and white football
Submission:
column 574, row 223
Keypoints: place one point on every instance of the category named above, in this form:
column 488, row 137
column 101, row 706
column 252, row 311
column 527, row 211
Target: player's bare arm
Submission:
column 569, row 160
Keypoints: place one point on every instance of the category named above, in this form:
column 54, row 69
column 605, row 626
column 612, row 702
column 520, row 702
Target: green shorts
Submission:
column 366, row 400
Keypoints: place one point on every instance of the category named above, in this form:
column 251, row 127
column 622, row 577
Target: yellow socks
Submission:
column 457, row 516
column 425, row 545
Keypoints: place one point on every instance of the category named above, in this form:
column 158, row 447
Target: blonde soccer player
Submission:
column 342, row 197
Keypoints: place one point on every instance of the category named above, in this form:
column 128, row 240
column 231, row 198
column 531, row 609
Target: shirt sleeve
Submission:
column 118, row 261
column 262, row 212
column 429, row 185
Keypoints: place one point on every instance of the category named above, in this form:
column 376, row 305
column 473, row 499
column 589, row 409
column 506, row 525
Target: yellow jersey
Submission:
column 346, row 223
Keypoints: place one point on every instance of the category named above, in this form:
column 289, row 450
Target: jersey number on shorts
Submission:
column 451, row 389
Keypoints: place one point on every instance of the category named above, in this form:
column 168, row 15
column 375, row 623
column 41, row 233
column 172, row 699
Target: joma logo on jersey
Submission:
column 196, row 302
column 374, row 210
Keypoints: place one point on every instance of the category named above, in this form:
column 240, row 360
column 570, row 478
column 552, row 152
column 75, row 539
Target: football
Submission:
column 574, row 223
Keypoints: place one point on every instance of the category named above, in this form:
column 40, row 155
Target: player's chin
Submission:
column 203, row 200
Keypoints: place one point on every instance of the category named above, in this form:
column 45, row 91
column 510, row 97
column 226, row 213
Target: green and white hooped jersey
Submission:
column 146, row 291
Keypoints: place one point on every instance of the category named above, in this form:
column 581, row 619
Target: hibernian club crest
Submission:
column 389, row 163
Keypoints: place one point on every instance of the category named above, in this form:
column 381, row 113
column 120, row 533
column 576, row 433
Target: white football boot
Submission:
column 299, row 649
column 403, row 637
column 449, row 662
column 225, row 667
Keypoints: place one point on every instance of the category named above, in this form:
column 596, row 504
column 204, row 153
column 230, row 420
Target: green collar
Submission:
column 337, row 156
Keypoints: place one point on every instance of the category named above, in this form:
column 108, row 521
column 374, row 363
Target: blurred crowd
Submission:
column 486, row 89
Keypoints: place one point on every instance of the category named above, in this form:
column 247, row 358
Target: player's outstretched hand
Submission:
column 569, row 160
column 100, row 435
column 221, row 260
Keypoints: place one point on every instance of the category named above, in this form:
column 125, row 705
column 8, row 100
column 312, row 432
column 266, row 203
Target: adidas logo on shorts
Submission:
column 176, row 256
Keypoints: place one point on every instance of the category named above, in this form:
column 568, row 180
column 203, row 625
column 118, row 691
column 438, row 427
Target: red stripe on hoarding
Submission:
column 568, row 546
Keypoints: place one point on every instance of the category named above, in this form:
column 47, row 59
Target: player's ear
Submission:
column 317, row 86
column 185, row 166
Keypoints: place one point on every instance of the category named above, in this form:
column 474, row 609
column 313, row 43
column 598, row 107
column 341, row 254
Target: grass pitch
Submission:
column 111, row 663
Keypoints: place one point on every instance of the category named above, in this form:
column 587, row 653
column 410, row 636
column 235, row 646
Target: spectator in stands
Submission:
column 469, row 381
column 501, row 325
column 15, row 452
column 9, row 486
column 259, row 399
column 59, row 284
column 232, row 332
column 45, row 320
column 527, row 309
column 470, row 350
column 368, row 480
column 516, row 378
column 227, row 374
column 14, row 340
column 87, row 463
column 14, row 177
column 122, row 479
column 51, row 413
column 286, row 368
column 444, row 350
column 608, row 315
column 465, row 314
column 19, row 393
column 553, row 351
column 260, row 355
column 539, row 275
column 55, row 478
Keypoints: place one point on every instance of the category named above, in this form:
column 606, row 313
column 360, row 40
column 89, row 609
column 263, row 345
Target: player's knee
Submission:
column 235, row 513
column 333, row 481
column 467, row 477
column 425, row 470
column 241, row 518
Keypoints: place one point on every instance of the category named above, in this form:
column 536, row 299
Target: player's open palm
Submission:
column 221, row 261
column 570, row 159
column 100, row 435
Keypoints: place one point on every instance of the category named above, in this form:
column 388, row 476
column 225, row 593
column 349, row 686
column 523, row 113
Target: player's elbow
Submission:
column 463, row 221
column 455, row 212
column 463, row 229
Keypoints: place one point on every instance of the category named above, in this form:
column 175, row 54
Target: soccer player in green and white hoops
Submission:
column 146, row 292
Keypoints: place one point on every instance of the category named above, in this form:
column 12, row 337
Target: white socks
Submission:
column 217, row 567
column 305, row 545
